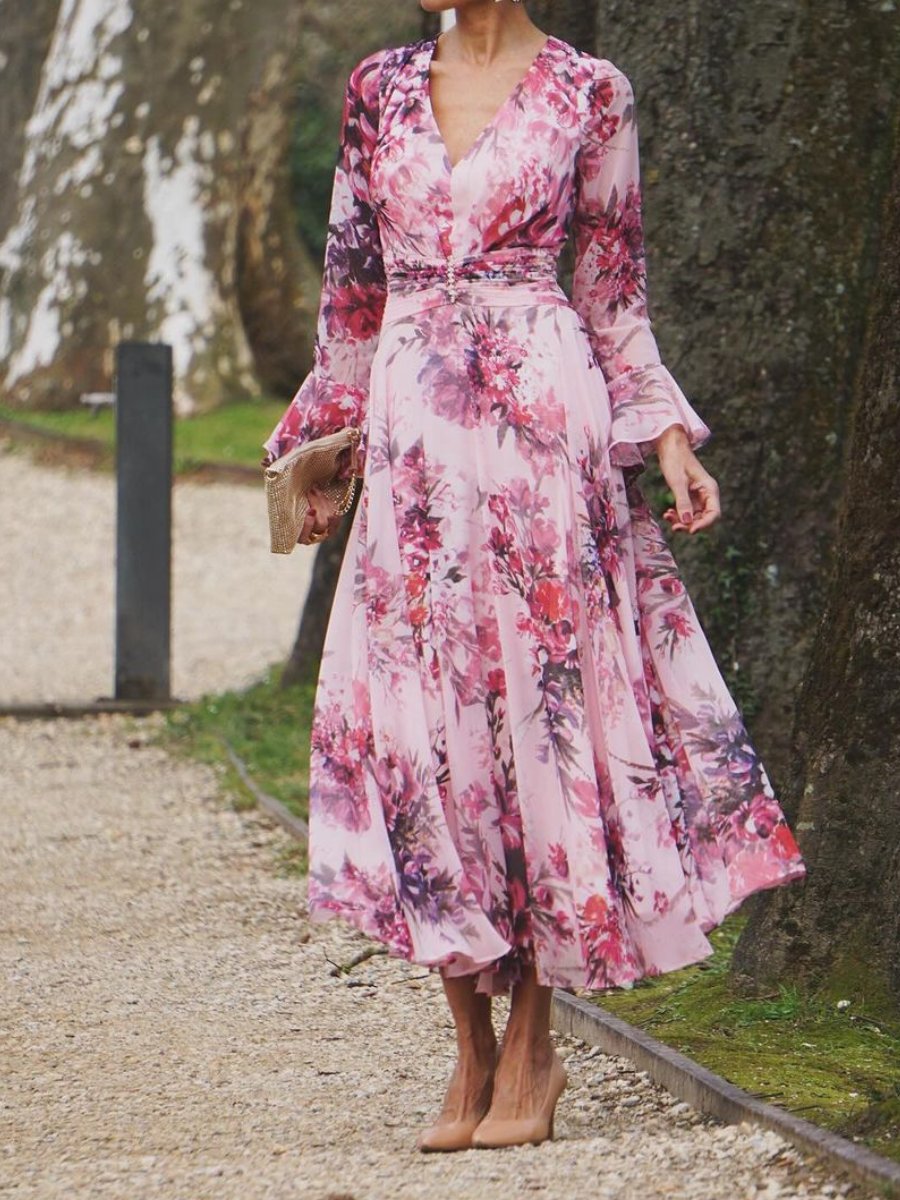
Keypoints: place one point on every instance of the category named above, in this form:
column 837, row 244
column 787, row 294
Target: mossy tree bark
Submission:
column 841, row 927
column 766, row 132
column 573, row 20
column 150, row 199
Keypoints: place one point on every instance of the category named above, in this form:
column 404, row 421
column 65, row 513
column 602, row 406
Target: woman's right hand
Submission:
column 313, row 530
column 317, row 527
column 697, row 503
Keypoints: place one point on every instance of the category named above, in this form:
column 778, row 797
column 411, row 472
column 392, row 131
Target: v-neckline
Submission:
column 510, row 99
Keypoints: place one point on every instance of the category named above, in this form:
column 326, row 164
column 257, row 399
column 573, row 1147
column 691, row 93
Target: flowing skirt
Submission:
column 523, row 750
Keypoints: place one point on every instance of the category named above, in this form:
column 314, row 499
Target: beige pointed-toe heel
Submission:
column 448, row 1136
column 454, row 1135
column 492, row 1133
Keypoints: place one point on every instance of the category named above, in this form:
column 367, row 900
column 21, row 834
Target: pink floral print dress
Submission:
column 523, row 750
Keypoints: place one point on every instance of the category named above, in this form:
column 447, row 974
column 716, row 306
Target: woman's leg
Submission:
column 527, row 1054
column 469, row 1091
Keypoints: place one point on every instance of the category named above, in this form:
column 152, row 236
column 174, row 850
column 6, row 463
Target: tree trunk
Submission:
column 843, row 925
column 150, row 200
column 575, row 21
column 25, row 33
column 765, row 142
column 303, row 664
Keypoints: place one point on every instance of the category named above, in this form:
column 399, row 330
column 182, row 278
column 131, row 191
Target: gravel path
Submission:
column 235, row 605
column 169, row 1026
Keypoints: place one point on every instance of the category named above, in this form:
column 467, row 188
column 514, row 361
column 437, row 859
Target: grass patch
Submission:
column 837, row 1067
column 267, row 726
column 233, row 433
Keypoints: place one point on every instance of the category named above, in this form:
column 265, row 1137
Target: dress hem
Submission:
column 319, row 915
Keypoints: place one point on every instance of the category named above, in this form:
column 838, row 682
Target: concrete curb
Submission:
column 710, row 1093
column 295, row 826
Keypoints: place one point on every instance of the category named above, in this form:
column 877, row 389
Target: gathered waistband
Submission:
column 518, row 276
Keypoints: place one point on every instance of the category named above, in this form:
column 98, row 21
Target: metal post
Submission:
column 143, row 520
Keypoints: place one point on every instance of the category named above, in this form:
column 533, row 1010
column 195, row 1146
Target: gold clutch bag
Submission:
column 311, row 475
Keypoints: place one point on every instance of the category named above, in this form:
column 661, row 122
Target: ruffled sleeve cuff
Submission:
column 321, row 406
column 645, row 401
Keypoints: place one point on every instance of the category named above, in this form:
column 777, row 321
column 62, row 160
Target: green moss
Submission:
column 267, row 726
column 836, row 1066
column 231, row 434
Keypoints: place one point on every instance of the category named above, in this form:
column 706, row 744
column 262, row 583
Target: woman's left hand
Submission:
column 696, row 492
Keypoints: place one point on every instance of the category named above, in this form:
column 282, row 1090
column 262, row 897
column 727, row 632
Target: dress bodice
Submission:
column 514, row 186
column 559, row 158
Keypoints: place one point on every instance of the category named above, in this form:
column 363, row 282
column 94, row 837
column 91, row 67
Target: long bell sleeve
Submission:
column 335, row 393
column 609, row 284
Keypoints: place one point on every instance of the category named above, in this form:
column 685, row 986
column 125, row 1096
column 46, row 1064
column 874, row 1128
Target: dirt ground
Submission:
column 171, row 1026
column 235, row 606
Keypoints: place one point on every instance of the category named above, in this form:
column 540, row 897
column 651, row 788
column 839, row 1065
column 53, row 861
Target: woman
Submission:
column 526, row 769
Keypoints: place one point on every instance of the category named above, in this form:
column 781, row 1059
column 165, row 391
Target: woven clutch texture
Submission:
column 313, row 467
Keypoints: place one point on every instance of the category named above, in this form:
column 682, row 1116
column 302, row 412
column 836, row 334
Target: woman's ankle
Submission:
column 477, row 1046
column 535, row 1045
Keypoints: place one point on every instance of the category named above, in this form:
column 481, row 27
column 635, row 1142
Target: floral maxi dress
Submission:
column 523, row 751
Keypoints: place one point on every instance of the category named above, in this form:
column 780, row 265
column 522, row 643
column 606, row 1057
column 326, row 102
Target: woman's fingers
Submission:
column 707, row 492
column 313, row 529
column 684, row 508
column 697, row 503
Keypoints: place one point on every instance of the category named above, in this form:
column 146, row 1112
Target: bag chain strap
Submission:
column 347, row 498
